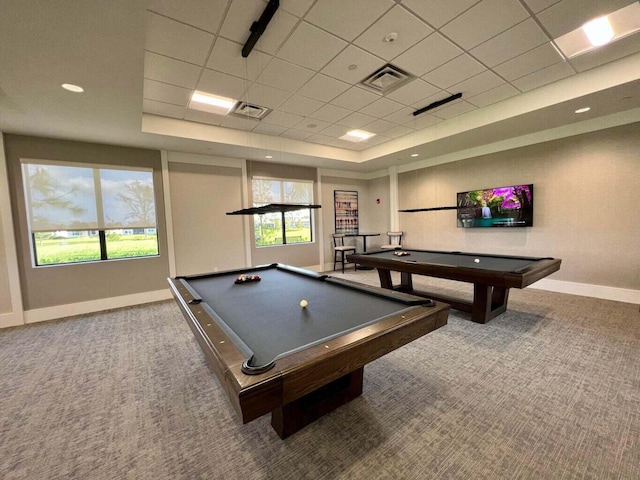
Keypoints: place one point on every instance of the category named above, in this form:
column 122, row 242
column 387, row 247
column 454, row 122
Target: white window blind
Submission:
column 65, row 196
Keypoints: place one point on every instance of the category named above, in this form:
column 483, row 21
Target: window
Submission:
column 282, row 228
column 82, row 213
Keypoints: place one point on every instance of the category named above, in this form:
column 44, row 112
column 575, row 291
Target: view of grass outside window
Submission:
column 277, row 228
column 80, row 213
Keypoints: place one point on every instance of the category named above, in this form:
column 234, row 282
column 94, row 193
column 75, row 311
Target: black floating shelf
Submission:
column 272, row 208
column 433, row 209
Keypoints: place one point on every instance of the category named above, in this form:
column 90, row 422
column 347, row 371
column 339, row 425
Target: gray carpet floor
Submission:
column 548, row 390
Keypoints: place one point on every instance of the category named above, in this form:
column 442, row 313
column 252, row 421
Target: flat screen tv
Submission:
column 510, row 206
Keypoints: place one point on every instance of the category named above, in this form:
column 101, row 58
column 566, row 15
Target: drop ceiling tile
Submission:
column 494, row 95
column 165, row 93
column 296, row 7
column 568, row 15
column 424, row 121
column 544, row 76
column 300, row 105
column 347, row 19
column 177, row 40
column 381, row 108
column 399, row 131
column 415, row 91
column 356, row 120
column 268, row 128
column 377, row 140
column 379, row 126
column 321, row 139
column 238, row 123
column 167, row 70
column 265, row 96
column 282, row 119
column 330, row 113
column 355, row 98
column 478, row 84
column 457, row 108
column 312, row 125
column 438, row 12
column 280, row 27
column 239, row 19
column 402, row 116
column 335, row 131
column 222, row 84
column 204, row 14
column 204, row 117
column 310, row 47
column 323, row 88
column 408, row 29
column 226, row 57
column 483, row 21
column 344, row 144
column 455, row 71
column 284, row 75
column 442, row 94
column 509, row 44
column 529, row 62
column 296, row 134
column 539, row 5
column 426, row 55
column 366, row 64
column 163, row 109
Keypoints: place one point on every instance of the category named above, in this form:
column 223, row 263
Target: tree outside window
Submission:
column 276, row 228
column 80, row 213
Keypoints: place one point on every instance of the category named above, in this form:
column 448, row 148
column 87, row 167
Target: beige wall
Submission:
column 205, row 238
column 5, row 290
column 585, row 205
column 67, row 284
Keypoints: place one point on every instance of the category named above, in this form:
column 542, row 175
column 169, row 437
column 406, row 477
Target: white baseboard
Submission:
column 585, row 290
column 11, row 319
column 69, row 310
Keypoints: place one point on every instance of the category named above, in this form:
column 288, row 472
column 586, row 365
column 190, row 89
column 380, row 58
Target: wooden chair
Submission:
column 340, row 249
column 395, row 241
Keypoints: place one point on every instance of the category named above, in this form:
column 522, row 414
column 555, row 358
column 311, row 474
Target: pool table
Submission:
column 492, row 275
column 299, row 363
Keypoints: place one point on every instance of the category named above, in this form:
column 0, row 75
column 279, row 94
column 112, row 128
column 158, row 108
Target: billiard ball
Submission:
column 477, row 260
column 304, row 303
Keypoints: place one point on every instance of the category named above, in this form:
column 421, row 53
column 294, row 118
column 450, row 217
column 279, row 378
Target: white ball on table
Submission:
column 304, row 303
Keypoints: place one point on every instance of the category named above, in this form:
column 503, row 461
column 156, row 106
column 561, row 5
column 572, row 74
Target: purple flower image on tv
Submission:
column 509, row 206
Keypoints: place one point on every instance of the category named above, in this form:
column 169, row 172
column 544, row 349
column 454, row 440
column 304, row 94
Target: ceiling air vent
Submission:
column 244, row 110
column 387, row 79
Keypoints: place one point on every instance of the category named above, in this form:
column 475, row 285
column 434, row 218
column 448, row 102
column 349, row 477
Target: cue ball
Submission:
column 303, row 303
column 477, row 260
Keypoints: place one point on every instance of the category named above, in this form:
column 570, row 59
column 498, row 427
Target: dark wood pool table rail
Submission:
column 293, row 391
column 490, row 287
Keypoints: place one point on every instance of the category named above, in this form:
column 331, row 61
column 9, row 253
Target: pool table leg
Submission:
column 488, row 302
column 294, row 416
column 406, row 283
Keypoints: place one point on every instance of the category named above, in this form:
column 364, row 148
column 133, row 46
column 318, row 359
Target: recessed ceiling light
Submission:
column 72, row 88
column 600, row 31
column 207, row 102
column 415, row 154
column 357, row 136
column 268, row 156
column 583, row 110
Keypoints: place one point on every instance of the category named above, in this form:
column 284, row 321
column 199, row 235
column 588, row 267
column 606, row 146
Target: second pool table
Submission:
column 492, row 275
column 272, row 355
